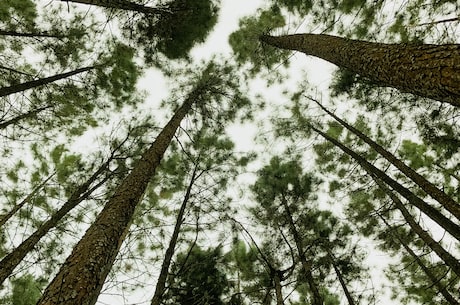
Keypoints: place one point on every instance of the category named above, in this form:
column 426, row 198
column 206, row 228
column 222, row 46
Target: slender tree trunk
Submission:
column 431, row 71
column 40, row 82
column 28, row 114
column 448, row 259
column 30, row 34
column 161, row 283
column 441, row 288
column 447, row 202
column 431, row 212
column 7, row 216
column 80, row 279
column 278, row 292
column 306, row 264
column 341, row 279
column 12, row 260
column 123, row 5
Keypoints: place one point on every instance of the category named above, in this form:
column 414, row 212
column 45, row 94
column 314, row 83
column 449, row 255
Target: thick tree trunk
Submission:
column 306, row 264
column 428, row 210
column 122, row 5
column 161, row 283
column 278, row 292
column 40, row 82
column 431, row 71
column 80, row 279
column 447, row 202
column 448, row 259
column 17, row 207
column 30, row 34
column 341, row 279
column 441, row 288
column 30, row 114
column 12, row 260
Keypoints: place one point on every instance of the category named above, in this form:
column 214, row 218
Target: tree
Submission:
column 426, row 70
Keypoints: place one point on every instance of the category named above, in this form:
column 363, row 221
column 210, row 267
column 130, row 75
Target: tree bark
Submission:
column 40, row 82
column 123, row 5
column 30, row 34
column 12, row 260
column 341, row 279
column 447, row 202
column 441, row 288
column 161, row 283
column 448, row 259
column 428, row 210
column 278, row 292
column 80, row 279
column 28, row 114
column 306, row 264
column 426, row 70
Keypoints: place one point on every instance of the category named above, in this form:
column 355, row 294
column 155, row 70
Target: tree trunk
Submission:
column 12, row 260
column 341, row 279
column 7, row 216
column 29, row 114
column 40, row 82
column 448, row 259
column 161, row 283
column 306, row 264
column 80, row 279
column 441, row 288
column 30, row 34
column 447, row 202
column 123, row 5
column 431, row 71
column 431, row 212
column 279, row 294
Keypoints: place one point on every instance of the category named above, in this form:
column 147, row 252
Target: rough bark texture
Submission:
column 448, row 259
column 447, row 202
column 441, row 288
column 122, row 5
column 161, row 283
column 431, row 71
column 12, row 260
column 428, row 210
column 81, row 277
column 306, row 264
column 40, row 82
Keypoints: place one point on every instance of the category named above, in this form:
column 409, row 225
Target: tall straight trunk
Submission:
column 306, row 264
column 447, row 202
column 426, row 70
column 29, row 34
column 40, row 82
column 12, row 260
column 435, row 282
column 161, row 283
column 27, row 115
column 80, row 279
column 278, row 292
column 123, row 5
column 17, row 207
column 341, row 279
column 448, row 259
column 427, row 209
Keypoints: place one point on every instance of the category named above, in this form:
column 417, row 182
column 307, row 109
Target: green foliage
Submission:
column 196, row 278
column 245, row 41
column 416, row 154
column 26, row 290
column 18, row 15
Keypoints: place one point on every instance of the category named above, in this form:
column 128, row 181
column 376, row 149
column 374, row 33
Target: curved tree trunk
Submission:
column 431, row 71
column 441, row 288
column 161, row 283
column 427, row 209
column 40, row 82
column 122, row 5
column 12, row 260
column 81, row 277
column 447, row 202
